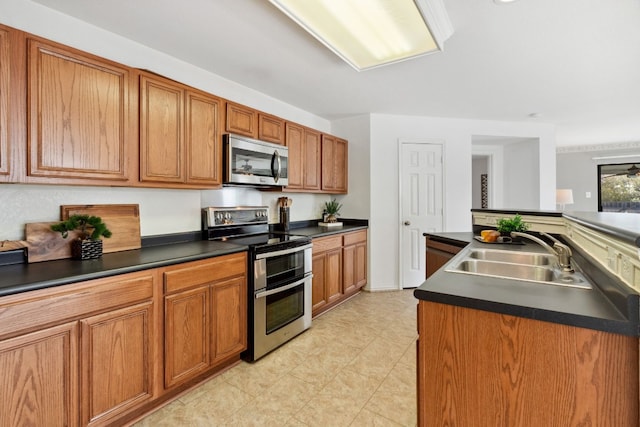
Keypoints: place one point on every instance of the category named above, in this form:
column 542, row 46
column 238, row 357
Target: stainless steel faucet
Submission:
column 559, row 249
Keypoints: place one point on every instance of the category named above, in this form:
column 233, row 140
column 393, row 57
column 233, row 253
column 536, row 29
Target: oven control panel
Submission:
column 242, row 215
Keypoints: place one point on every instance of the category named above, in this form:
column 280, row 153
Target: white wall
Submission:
column 162, row 211
column 356, row 204
column 522, row 175
column 386, row 130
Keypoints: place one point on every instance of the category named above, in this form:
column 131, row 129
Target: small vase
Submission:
column 332, row 218
column 86, row 249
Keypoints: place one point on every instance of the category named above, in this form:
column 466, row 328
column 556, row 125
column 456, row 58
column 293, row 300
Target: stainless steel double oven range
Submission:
column 279, row 273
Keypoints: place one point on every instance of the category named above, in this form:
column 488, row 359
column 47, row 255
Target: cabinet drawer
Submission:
column 356, row 237
column 34, row 310
column 198, row 273
column 327, row 243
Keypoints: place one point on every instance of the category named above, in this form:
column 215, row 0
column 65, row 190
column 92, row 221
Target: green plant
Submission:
column 90, row 227
column 332, row 207
column 507, row 225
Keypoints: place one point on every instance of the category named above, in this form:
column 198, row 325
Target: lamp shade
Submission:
column 564, row 196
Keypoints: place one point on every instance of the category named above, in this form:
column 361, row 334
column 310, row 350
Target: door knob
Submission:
column 407, row 223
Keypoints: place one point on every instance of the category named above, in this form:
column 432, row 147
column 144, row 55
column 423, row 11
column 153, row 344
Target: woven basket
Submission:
column 86, row 249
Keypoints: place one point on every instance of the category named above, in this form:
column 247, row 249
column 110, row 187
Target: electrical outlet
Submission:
column 587, row 194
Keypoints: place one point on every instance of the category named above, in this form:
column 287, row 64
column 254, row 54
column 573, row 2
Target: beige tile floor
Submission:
column 356, row 366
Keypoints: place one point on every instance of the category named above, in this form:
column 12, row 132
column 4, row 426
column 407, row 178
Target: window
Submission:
column 619, row 188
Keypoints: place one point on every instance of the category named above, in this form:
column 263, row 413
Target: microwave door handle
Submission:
column 278, row 171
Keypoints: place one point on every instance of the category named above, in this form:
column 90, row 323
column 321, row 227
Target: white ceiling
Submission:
column 575, row 62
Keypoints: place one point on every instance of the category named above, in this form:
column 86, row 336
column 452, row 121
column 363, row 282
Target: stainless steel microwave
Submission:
column 252, row 162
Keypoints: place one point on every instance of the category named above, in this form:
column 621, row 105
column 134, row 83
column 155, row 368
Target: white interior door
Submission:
column 420, row 206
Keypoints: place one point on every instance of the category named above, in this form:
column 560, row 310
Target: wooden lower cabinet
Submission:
column 229, row 318
column 205, row 315
column 339, row 267
column 477, row 368
column 91, row 353
column 39, row 378
column 439, row 252
column 354, row 260
column 186, row 331
column 116, row 363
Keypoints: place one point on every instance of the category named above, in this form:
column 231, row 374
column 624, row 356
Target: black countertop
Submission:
column 315, row 231
column 22, row 277
column 610, row 306
column 26, row 277
column 624, row 226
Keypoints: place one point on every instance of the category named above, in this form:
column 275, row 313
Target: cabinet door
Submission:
column 334, row 164
column 38, row 378
column 333, row 274
column 341, row 165
column 161, row 131
column 203, row 148
column 271, row 129
column 295, row 144
column 349, row 268
column 186, row 345
column 229, row 318
column 318, row 294
column 78, row 114
column 116, row 364
column 4, row 100
column 241, row 120
column 361, row 265
column 312, row 159
column 328, row 163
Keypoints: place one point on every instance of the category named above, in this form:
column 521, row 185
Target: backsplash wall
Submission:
column 162, row 211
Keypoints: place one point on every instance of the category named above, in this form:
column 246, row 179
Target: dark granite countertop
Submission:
column 26, row 277
column 610, row 306
column 624, row 226
column 157, row 251
column 317, row 231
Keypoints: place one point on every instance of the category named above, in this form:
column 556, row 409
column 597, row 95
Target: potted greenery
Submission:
column 506, row 225
column 332, row 209
column 88, row 245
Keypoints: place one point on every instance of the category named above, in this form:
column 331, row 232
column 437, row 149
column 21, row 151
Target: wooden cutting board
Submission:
column 122, row 220
column 43, row 244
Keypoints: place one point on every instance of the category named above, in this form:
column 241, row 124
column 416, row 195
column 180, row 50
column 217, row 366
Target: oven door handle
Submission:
column 284, row 288
column 283, row 252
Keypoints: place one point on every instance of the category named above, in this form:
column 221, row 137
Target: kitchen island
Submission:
column 495, row 351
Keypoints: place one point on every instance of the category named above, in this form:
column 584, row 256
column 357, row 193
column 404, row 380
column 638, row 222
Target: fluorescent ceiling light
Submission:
column 370, row 33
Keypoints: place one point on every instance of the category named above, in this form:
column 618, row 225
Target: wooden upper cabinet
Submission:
column 312, row 159
column 5, row 84
column 161, row 130
column 304, row 157
column 79, row 114
column 334, row 164
column 295, row 144
column 271, row 129
column 179, row 134
column 203, row 139
column 241, row 120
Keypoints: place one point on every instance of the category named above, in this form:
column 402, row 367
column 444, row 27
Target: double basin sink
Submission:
column 516, row 265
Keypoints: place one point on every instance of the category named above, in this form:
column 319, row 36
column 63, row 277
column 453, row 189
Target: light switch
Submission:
column 587, row 194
